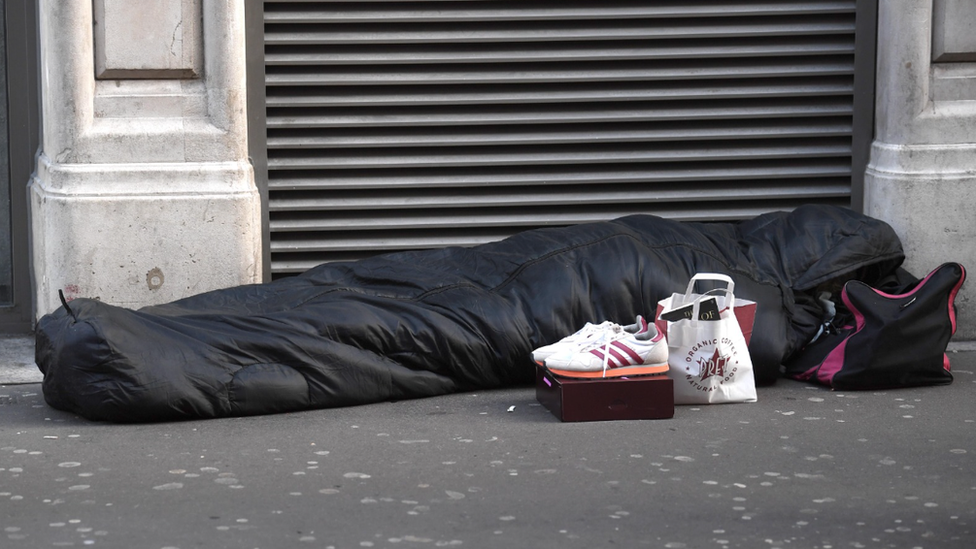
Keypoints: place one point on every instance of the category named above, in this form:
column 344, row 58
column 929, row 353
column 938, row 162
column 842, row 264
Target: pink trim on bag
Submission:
column 952, row 294
column 832, row 364
column 952, row 299
column 805, row 376
column 835, row 360
column 906, row 294
column 945, row 363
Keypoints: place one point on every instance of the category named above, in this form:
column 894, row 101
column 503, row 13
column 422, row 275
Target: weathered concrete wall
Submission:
column 143, row 192
column 921, row 177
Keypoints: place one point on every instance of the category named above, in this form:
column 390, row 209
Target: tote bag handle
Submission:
column 729, row 289
column 728, row 298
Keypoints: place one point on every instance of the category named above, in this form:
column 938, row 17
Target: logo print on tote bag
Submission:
column 714, row 366
column 715, row 369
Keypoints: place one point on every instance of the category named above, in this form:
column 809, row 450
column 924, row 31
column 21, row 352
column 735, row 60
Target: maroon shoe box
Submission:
column 641, row 397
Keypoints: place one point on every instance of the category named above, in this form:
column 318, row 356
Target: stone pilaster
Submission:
column 143, row 192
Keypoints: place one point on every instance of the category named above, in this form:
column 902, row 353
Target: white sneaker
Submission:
column 589, row 333
column 618, row 354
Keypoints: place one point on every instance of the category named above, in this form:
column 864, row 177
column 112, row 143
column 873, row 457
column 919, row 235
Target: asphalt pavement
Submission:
column 804, row 467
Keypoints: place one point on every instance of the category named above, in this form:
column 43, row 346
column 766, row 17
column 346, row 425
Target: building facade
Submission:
column 188, row 145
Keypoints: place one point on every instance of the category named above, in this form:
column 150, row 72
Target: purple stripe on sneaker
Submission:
column 611, row 362
column 634, row 357
column 618, row 359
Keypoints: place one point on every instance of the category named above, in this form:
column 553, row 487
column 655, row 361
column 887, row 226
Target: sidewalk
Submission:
column 17, row 360
column 804, row 467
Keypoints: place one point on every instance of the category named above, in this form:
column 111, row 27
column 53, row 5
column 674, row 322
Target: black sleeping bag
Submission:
column 417, row 324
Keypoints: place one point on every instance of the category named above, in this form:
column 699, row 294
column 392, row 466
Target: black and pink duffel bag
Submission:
column 886, row 339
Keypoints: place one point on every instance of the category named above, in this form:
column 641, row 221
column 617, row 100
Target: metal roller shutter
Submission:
column 404, row 125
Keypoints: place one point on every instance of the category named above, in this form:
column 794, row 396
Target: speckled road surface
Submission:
column 804, row 467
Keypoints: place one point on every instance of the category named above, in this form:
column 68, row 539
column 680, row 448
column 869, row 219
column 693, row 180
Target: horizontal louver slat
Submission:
column 504, row 115
column 481, row 198
column 367, row 181
column 549, row 74
column 687, row 132
column 329, row 11
column 508, row 217
column 759, row 89
column 621, row 153
column 408, row 125
column 475, row 33
column 541, row 54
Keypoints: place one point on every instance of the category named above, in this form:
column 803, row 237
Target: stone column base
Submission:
column 923, row 192
column 143, row 233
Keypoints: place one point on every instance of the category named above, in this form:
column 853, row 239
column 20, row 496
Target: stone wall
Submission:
column 143, row 191
column 921, row 176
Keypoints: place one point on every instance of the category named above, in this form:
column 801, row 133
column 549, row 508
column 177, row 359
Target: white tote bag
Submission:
column 708, row 360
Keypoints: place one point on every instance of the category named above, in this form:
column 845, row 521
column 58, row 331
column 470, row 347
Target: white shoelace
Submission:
column 619, row 333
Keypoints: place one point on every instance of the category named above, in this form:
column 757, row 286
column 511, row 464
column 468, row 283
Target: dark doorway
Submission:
column 19, row 138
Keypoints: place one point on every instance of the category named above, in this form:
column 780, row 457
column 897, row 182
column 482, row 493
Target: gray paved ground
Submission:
column 802, row 468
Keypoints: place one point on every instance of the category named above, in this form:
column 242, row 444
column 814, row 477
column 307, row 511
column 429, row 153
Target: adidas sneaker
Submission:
column 619, row 353
column 589, row 333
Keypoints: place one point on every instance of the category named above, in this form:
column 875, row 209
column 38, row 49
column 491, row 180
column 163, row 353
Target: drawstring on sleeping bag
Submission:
column 64, row 302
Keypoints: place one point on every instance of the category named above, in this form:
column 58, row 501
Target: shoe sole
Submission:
column 642, row 370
